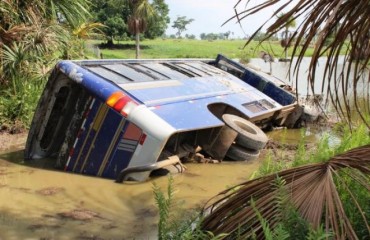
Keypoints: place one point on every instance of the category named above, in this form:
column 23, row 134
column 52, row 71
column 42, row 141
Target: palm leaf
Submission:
column 341, row 27
column 85, row 29
column 74, row 12
column 13, row 34
column 311, row 189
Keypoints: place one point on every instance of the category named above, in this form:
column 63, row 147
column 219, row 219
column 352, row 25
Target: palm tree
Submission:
column 41, row 24
column 343, row 28
column 286, row 36
column 141, row 13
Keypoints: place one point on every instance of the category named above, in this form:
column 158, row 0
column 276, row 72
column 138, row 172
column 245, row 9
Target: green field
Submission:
column 184, row 48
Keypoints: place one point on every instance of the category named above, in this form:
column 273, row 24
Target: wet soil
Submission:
column 43, row 203
column 10, row 141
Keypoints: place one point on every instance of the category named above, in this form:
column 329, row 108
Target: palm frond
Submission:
column 341, row 28
column 13, row 34
column 311, row 189
column 71, row 12
column 85, row 29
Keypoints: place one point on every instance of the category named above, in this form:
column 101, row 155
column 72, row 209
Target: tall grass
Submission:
column 171, row 227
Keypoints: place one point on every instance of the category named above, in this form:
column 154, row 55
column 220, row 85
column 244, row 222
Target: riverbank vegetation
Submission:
column 33, row 36
column 321, row 192
column 328, row 192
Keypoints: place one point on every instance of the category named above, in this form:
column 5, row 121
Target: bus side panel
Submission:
column 124, row 150
column 107, row 125
column 84, row 140
column 106, row 143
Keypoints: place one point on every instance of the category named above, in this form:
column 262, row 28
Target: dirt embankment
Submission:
column 8, row 141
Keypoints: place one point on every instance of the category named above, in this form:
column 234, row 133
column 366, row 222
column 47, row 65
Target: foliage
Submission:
column 330, row 190
column 158, row 26
column 190, row 36
column 332, row 26
column 141, row 13
column 33, row 34
column 168, row 227
column 180, row 24
column 115, row 14
column 164, row 205
column 215, row 36
column 259, row 36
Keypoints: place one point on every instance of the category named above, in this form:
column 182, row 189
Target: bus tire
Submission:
column 249, row 135
column 239, row 153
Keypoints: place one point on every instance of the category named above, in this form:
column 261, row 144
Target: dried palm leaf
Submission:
column 13, row 34
column 311, row 189
column 341, row 28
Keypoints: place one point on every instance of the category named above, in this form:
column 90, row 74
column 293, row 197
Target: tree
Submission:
column 158, row 26
column 113, row 14
column 203, row 36
column 190, row 36
column 227, row 34
column 141, row 12
column 180, row 24
column 38, row 27
column 286, row 36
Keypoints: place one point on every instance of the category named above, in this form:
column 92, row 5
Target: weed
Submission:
column 164, row 205
column 186, row 228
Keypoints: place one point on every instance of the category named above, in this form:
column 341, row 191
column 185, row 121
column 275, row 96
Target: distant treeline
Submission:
column 222, row 36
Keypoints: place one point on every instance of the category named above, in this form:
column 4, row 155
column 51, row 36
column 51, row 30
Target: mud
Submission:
column 12, row 141
column 39, row 202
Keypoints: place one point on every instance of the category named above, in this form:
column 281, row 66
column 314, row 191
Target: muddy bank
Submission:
column 12, row 141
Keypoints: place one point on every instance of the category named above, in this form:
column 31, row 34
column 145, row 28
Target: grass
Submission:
column 185, row 48
column 291, row 224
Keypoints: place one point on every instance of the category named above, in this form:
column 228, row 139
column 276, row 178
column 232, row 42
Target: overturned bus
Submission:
column 123, row 119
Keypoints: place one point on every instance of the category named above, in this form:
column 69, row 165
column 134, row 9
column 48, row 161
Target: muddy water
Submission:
column 41, row 203
column 37, row 203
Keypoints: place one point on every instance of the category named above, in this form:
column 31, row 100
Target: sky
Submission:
column 209, row 15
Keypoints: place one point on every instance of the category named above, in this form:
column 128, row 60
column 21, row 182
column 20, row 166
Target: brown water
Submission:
column 37, row 203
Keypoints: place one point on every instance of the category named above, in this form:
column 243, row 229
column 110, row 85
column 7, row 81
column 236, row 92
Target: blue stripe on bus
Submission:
column 103, row 141
column 120, row 157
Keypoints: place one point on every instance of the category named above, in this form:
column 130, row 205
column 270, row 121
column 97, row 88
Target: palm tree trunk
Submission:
column 137, row 42
column 287, row 40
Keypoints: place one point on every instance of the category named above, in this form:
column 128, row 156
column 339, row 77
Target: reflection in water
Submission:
column 40, row 203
